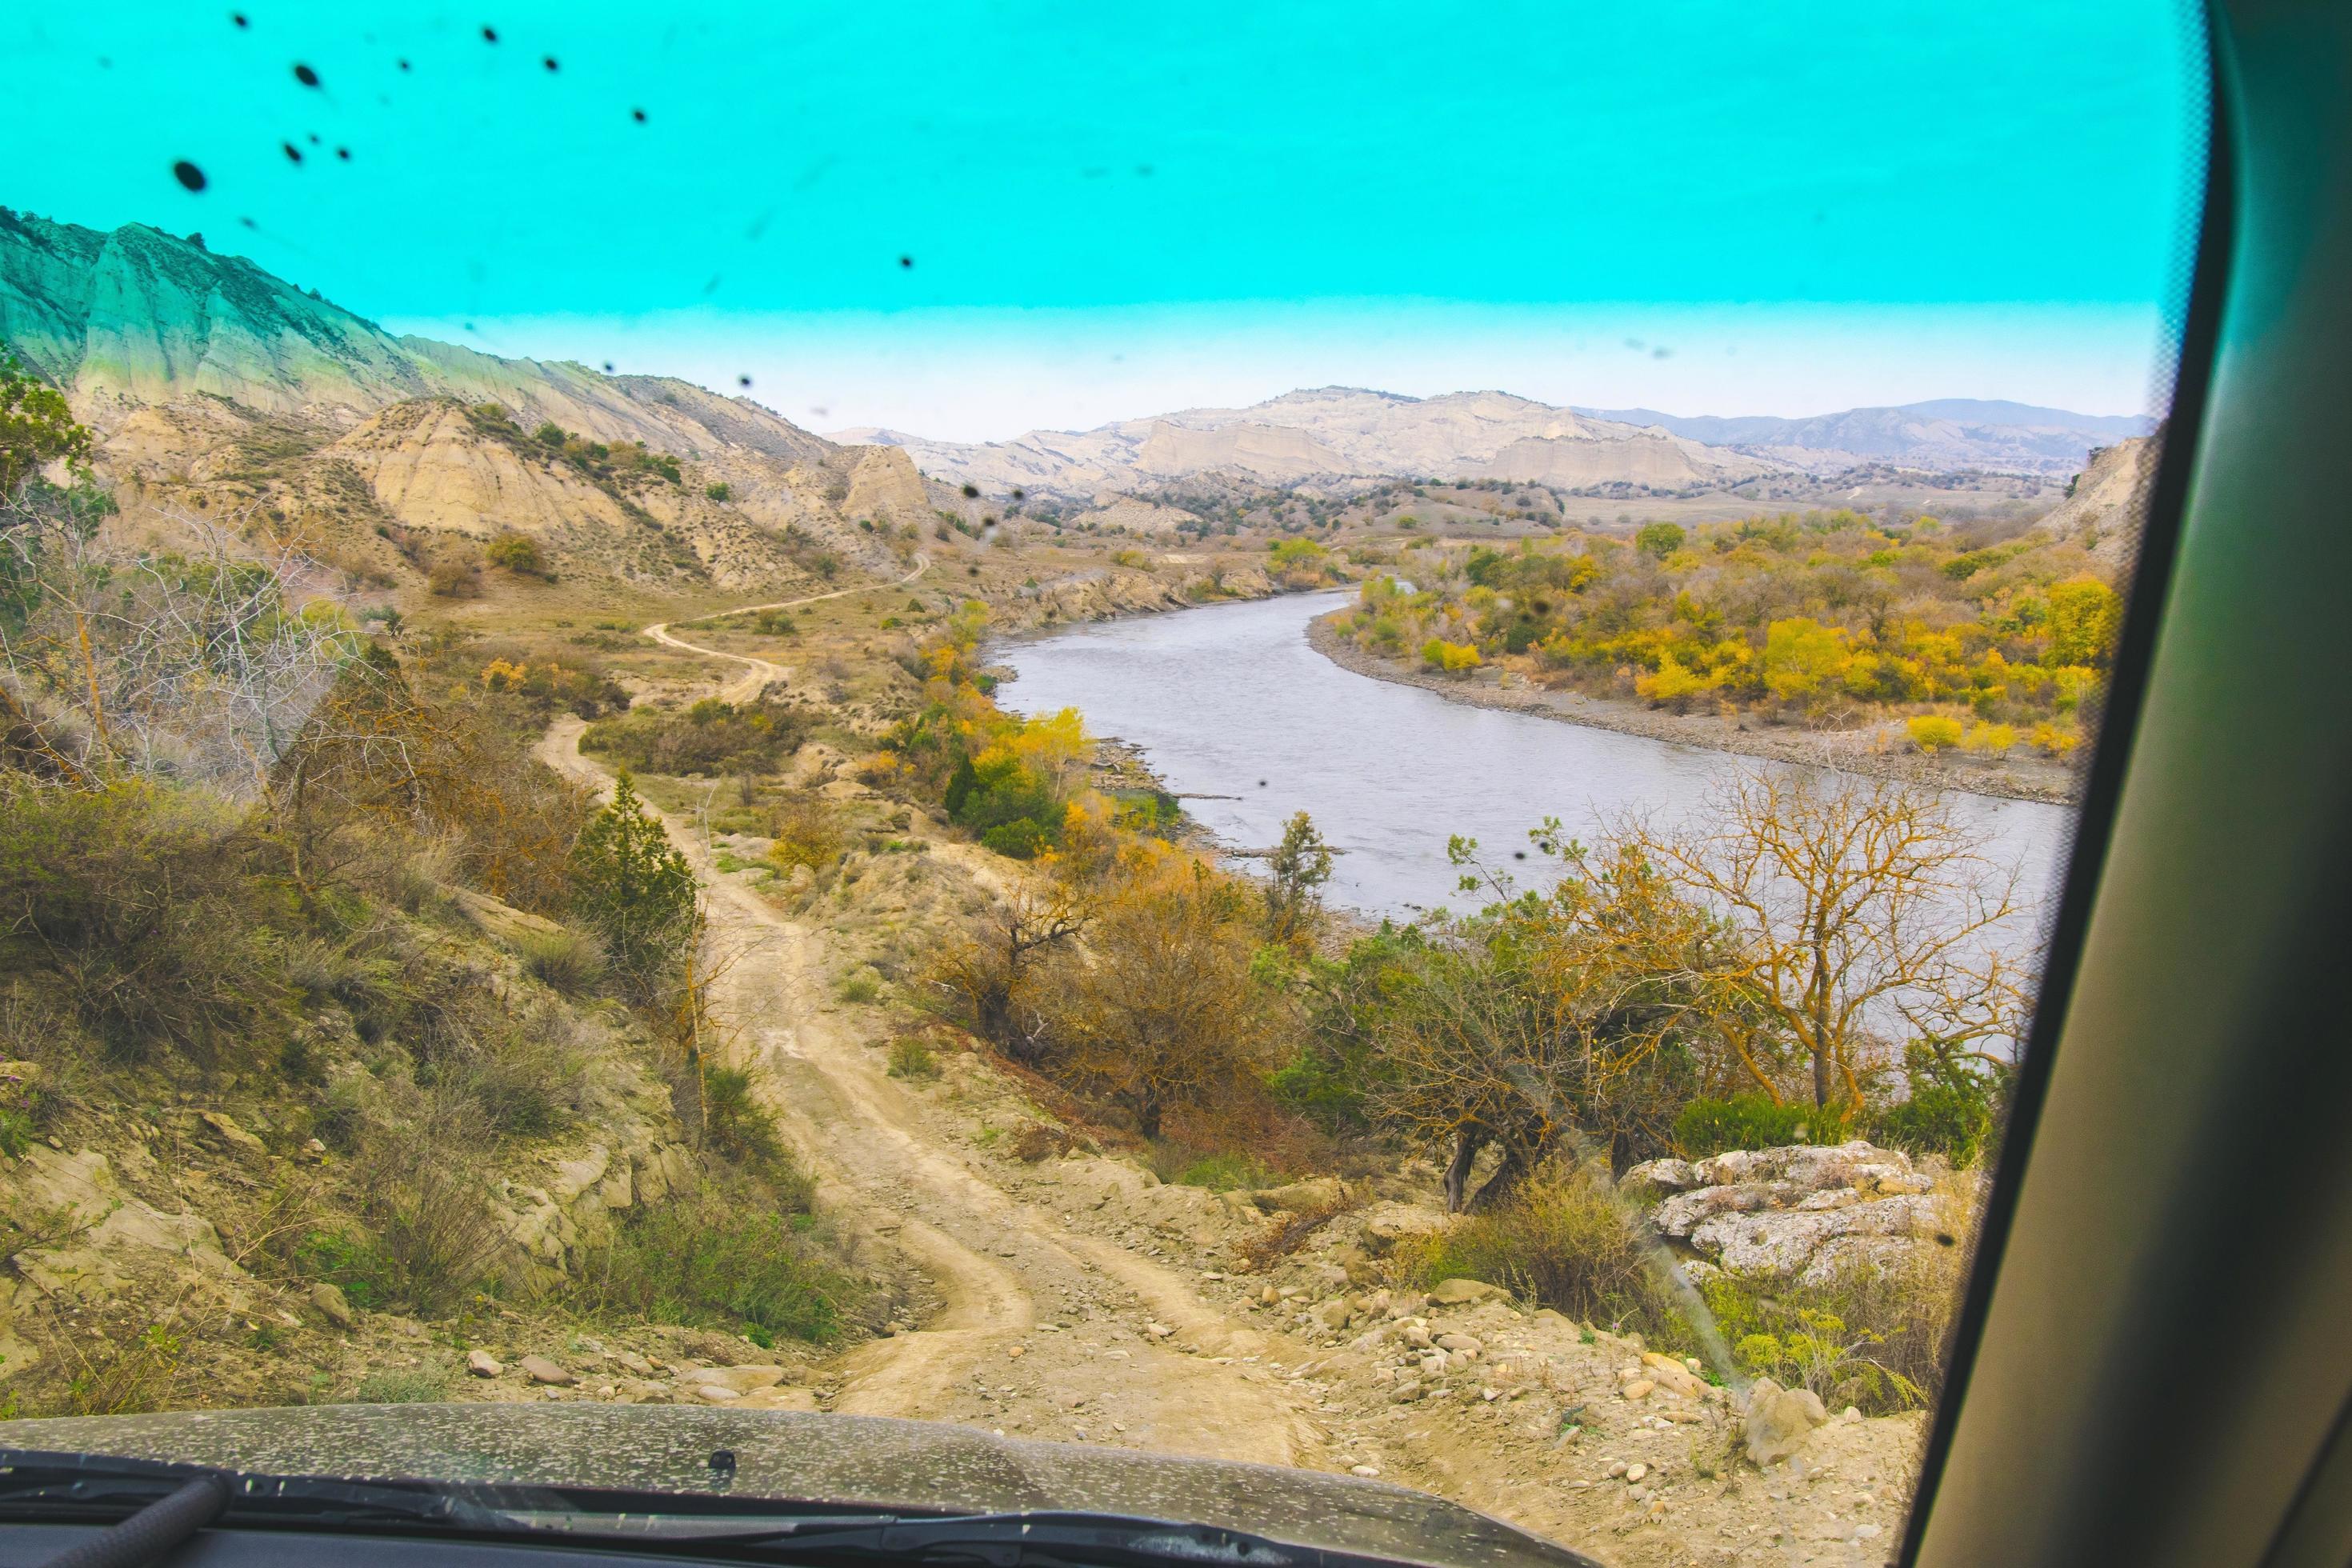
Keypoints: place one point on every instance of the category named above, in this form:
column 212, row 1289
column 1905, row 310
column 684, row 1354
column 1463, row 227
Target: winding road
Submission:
column 1037, row 1325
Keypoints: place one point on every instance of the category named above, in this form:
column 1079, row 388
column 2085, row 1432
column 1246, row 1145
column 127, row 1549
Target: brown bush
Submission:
column 451, row 578
column 1037, row 1142
column 1278, row 1241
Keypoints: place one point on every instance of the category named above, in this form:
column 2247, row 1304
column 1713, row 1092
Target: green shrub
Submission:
column 1873, row 1335
column 636, row 891
column 719, row 1257
column 565, row 961
column 1020, row 839
column 1225, row 1170
column 15, row 1131
column 859, row 987
column 425, row 1384
column 910, row 1057
column 516, row 552
column 1954, row 1109
column 718, row 491
column 734, row 1124
column 1753, row 1121
column 711, row 738
column 351, row 1262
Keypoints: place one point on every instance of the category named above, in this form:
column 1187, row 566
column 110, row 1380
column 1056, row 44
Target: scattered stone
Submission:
column 1460, row 1344
column 1639, row 1388
column 329, row 1299
column 1850, row 1416
column 482, row 1364
column 716, row 1393
column 1635, row 1472
column 635, row 1364
column 1366, row 1471
column 539, row 1369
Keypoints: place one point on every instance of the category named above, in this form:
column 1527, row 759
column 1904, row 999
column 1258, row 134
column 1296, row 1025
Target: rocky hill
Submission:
column 1335, row 433
column 217, row 386
column 2101, row 507
column 1947, row 432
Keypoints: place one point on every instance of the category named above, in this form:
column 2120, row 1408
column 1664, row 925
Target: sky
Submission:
column 971, row 220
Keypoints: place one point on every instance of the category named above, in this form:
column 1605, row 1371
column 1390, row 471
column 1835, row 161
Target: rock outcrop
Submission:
column 1807, row 1211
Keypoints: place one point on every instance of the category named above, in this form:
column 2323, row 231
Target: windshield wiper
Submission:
column 744, row 1529
column 1006, row 1540
column 88, row 1486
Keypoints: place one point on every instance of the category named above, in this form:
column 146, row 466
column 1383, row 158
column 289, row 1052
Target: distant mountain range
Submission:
column 1947, row 433
column 1337, row 433
column 137, row 319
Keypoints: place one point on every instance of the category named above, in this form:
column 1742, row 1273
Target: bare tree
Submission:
column 202, row 663
column 1855, row 902
column 991, row 971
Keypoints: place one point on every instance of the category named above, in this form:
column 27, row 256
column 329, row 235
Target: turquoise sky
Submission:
column 1114, row 208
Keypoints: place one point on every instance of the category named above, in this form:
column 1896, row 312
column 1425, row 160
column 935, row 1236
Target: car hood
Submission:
column 865, row 1461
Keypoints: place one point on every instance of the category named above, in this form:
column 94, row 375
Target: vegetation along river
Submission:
column 1229, row 699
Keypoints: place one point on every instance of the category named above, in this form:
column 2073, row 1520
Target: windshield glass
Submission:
column 1330, row 736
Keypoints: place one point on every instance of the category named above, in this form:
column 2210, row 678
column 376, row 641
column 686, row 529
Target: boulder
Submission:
column 1803, row 1210
column 482, row 1364
column 230, row 1136
column 329, row 1299
column 1672, row 1375
column 741, row 1379
column 1779, row 1419
column 1464, row 1292
column 1673, row 1175
column 539, row 1369
column 1392, row 1223
column 1814, row 1243
column 573, row 1177
column 1319, row 1192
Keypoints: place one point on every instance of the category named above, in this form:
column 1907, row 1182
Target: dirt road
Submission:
column 1036, row 1327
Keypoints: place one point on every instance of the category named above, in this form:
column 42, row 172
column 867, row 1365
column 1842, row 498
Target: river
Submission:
column 1229, row 699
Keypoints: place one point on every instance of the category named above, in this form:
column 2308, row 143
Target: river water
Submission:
column 1230, row 699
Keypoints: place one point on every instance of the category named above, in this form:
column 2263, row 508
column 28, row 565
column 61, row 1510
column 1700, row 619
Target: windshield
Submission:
column 1329, row 737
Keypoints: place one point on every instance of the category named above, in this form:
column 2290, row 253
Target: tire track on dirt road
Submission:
column 1006, row 1270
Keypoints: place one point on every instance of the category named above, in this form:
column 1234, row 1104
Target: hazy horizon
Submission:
column 970, row 222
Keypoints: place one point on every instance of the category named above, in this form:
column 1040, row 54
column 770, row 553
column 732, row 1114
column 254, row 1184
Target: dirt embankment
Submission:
column 1873, row 750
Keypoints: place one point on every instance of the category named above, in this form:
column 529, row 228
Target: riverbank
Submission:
column 1870, row 752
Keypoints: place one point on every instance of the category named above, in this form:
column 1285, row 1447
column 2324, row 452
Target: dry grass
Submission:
column 1563, row 1243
